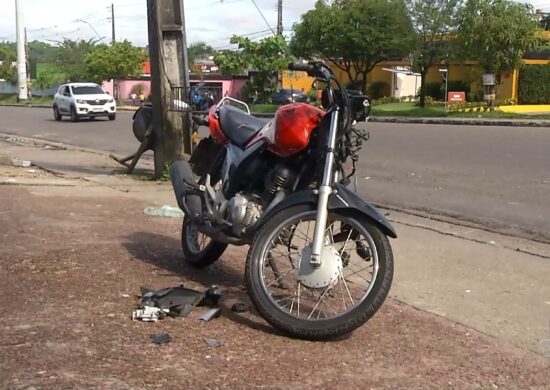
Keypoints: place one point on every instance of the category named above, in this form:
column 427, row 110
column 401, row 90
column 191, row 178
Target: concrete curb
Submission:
column 462, row 121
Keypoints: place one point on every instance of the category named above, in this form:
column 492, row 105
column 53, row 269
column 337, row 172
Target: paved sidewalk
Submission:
column 76, row 242
column 494, row 283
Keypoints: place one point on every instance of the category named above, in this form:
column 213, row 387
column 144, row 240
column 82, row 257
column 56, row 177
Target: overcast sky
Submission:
column 211, row 21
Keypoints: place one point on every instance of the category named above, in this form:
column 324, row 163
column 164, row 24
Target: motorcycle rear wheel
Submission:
column 199, row 250
column 318, row 307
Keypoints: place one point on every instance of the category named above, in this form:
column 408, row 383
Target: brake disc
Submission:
column 326, row 274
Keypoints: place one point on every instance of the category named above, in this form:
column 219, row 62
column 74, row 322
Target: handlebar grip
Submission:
column 301, row 67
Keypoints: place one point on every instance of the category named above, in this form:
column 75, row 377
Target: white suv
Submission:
column 78, row 100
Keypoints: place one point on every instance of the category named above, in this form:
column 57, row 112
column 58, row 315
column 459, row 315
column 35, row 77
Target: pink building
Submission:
column 217, row 84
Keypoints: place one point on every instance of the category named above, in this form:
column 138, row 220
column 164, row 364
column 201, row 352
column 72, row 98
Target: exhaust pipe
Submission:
column 188, row 201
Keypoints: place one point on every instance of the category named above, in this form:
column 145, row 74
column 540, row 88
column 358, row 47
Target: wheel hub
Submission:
column 323, row 276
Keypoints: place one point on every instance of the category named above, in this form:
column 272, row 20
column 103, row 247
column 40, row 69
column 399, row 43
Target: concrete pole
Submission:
column 113, row 24
column 21, row 58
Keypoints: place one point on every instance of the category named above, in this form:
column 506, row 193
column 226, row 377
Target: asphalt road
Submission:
column 496, row 176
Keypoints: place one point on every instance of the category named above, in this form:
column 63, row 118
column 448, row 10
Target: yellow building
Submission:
column 468, row 72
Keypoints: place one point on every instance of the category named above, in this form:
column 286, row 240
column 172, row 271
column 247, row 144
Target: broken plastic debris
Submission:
column 209, row 314
column 149, row 314
column 21, row 163
column 239, row 307
column 164, row 211
column 161, row 338
column 214, row 342
column 175, row 302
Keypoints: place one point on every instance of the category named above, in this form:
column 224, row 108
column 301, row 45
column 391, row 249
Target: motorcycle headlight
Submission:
column 80, row 101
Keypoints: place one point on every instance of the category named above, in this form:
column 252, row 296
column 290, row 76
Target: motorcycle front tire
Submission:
column 314, row 329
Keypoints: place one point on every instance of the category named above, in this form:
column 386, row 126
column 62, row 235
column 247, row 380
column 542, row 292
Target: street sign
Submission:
column 456, row 97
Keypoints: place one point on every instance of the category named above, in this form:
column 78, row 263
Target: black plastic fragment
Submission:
column 239, row 307
column 161, row 338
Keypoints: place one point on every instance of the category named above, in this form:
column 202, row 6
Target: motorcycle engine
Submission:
column 243, row 213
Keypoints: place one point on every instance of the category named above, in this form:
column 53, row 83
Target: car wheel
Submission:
column 56, row 115
column 112, row 117
column 74, row 116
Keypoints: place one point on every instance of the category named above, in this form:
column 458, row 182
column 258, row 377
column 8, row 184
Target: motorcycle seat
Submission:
column 239, row 126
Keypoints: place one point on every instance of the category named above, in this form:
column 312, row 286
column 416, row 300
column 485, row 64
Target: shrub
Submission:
column 458, row 86
column 534, row 84
column 138, row 89
column 376, row 89
column 477, row 96
column 434, row 91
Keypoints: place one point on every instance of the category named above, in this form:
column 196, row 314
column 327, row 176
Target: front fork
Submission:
column 324, row 192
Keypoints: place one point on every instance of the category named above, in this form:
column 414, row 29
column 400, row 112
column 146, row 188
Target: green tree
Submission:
column 197, row 50
column 433, row 22
column 8, row 56
column 265, row 58
column 119, row 61
column 496, row 33
column 354, row 35
column 71, row 58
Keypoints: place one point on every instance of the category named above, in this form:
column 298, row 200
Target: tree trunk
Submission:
column 422, row 89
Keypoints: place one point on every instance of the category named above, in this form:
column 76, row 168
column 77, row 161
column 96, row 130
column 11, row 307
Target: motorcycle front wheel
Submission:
column 199, row 250
column 325, row 302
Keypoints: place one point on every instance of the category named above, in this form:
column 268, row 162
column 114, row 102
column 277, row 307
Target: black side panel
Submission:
column 206, row 156
column 191, row 204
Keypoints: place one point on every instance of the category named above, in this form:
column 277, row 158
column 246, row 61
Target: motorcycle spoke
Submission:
column 319, row 302
column 347, row 289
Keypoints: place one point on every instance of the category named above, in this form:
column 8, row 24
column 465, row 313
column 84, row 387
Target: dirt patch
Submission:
column 66, row 265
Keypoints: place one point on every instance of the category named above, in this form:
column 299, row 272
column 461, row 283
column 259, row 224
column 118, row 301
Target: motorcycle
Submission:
column 319, row 263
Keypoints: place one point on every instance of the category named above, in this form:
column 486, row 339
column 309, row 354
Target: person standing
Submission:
column 133, row 96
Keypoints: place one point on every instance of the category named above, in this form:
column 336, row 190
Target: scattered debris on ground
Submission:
column 176, row 302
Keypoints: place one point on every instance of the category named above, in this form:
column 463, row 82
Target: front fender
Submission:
column 343, row 199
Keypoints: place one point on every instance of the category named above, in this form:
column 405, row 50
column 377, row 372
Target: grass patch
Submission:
column 12, row 99
column 412, row 110
column 407, row 109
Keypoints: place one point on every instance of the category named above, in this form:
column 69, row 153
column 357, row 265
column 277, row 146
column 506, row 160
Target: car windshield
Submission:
column 87, row 90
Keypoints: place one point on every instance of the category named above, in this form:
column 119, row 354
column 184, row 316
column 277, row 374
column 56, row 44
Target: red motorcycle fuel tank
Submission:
column 294, row 124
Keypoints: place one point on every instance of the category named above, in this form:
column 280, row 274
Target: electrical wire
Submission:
column 265, row 20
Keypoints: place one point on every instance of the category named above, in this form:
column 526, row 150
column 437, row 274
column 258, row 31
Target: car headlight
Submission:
column 81, row 101
column 111, row 100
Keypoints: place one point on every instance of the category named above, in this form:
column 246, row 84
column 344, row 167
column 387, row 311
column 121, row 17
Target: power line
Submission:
column 261, row 13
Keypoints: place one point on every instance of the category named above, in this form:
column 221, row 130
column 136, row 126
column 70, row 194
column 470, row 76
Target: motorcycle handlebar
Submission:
column 301, row 67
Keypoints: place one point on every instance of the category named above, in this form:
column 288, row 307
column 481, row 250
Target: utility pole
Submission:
column 21, row 60
column 113, row 40
column 169, row 81
column 280, row 17
column 113, row 23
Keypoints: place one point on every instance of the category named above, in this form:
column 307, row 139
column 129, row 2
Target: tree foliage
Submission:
column 119, row 61
column 197, row 50
column 496, row 33
column 433, row 22
column 265, row 58
column 8, row 56
column 71, row 58
column 354, row 35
